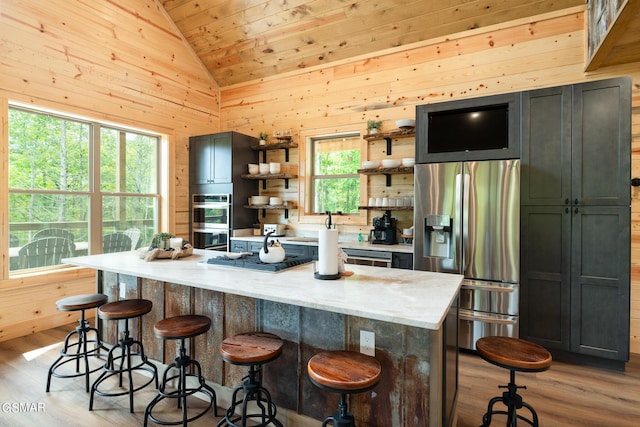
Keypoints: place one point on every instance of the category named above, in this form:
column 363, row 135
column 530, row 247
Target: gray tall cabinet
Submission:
column 575, row 218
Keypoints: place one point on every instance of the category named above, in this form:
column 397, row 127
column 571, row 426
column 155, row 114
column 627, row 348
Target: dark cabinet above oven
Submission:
column 216, row 163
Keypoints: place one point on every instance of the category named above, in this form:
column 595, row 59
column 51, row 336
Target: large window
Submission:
column 94, row 186
column 335, row 178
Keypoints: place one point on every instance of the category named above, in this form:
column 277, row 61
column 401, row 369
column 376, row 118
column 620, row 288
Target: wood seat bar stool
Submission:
column 252, row 349
column 343, row 372
column 513, row 354
column 78, row 350
column 180, row 328
column 127, row 356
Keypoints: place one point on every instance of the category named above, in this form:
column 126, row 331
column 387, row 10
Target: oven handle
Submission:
column 486, row 318
column 211, row 205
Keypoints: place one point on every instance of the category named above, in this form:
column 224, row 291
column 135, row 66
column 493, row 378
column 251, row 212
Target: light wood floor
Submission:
column 565, row 395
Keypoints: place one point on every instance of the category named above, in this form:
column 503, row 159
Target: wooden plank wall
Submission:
column 500, row 59
column 120, row 62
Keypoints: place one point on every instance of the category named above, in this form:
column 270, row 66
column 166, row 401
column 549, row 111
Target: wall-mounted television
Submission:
column 474, row 129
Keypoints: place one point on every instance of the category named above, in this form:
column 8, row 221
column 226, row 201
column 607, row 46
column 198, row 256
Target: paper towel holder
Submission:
column 319, row 276
column 327, row 276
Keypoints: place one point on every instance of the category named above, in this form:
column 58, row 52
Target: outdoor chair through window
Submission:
column 58, row 232
column 43, row 252
column 134, row 235
column 116, row 242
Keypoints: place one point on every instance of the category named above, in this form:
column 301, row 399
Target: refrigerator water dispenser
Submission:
column 437, row 236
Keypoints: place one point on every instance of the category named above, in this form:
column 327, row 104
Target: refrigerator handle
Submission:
column 456, row 223
column 466, row 183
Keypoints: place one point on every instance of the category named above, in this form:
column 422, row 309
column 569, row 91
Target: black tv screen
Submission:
column 469, row 129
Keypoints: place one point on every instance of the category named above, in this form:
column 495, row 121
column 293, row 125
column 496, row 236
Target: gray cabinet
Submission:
column 220, row 158
column 210, row 159
column 575, row 218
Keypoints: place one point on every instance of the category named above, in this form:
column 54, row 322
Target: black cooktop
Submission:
column 253, row 262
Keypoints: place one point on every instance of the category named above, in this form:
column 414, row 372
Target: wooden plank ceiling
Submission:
column 244, row 40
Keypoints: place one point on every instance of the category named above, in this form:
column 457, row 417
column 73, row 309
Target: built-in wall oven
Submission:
column 210, row 221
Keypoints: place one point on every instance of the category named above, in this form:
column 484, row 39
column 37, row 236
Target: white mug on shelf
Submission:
column 372, row 201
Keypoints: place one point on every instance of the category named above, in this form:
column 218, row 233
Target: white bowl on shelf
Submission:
column 260, row 200
column 263, row 168
column 390, row 163
column 274, row 168
column 406, row 123
column 408, row 161
column 275, row 201
column 370, row 164
column 253, row 169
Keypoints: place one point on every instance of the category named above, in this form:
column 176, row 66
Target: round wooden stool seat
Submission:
column 125, row 309
column 179, row 327
column 81, row 302
column 347, row 371
column 514, row 353
column 251, row 348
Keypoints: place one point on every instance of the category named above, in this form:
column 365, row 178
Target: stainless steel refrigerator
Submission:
column 467, row 221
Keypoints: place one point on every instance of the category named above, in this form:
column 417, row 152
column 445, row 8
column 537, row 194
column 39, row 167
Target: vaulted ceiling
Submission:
column 244, row 40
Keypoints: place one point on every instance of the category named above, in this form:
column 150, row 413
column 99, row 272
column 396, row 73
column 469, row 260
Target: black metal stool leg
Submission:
column 124, row 346
column 82, row 352
column 181, row 363
column 513, row 401
column 342, row 418
column 252, row 392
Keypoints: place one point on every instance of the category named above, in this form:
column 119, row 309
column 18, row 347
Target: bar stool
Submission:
column 123, row 352
column 343, row 372
column 181, row 328
column 513, row 354
column 252, row 349
column 80, row 346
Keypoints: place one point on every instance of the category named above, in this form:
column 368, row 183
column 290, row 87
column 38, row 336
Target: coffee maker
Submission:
column 384, row 230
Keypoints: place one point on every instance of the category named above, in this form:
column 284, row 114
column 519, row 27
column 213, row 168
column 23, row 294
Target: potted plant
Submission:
column 263, row 138
column 373, row 126
column 161, row 240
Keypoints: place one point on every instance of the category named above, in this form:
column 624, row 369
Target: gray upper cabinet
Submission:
column 601, row 148
column 210, row 159
column 575, row 218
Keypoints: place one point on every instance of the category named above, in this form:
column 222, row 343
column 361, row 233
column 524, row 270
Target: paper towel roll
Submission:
column 328, row 252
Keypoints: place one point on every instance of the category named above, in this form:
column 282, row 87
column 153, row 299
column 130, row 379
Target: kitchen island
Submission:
column 412, row 314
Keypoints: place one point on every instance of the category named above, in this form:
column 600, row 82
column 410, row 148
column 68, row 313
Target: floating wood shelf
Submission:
column 265, row 176
column 388, row 136
column 387, row 172
column 285, row 145
column 386, row 208
column 264, row 208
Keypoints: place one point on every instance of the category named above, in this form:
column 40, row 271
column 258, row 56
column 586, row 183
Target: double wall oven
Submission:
column 211, row 221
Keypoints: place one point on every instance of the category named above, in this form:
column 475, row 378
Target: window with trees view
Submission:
column 78, row 181
column 334, row 177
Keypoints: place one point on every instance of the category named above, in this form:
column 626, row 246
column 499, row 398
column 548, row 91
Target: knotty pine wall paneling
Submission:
column 119, row 62
column 520, row 56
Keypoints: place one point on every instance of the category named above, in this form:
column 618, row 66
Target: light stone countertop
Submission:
column 343, row 244
column 414, row 298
